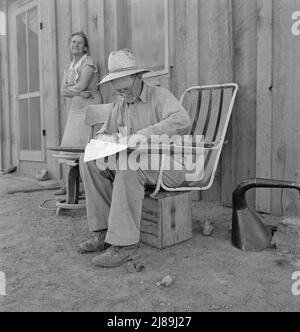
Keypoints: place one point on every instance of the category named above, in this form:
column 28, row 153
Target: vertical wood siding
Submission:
column 5, row 118
column 264, row 101
column 216, row 41
column 245, row 74
column 286, row 101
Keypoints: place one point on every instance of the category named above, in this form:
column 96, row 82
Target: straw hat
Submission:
column 121, row 64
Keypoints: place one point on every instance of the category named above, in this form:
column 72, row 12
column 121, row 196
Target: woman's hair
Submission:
column 84, row 37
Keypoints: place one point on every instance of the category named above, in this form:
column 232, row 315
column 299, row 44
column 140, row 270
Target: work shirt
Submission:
column 155, row 112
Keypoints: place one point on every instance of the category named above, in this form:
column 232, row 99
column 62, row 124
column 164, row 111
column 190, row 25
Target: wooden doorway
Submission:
column 28, row 80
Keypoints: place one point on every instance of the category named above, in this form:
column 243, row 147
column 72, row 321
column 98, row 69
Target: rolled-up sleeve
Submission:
column 174, row 118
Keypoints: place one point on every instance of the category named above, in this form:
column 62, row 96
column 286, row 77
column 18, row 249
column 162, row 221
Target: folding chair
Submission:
column 210, row 107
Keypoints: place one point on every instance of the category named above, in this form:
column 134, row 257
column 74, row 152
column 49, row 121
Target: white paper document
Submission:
column 98, row 149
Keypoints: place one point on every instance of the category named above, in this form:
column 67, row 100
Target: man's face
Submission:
column 128, row 87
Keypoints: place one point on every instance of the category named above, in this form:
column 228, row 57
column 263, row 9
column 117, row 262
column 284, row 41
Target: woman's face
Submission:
column 78, row 46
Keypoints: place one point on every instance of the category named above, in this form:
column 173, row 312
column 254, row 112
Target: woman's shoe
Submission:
column 61, row 191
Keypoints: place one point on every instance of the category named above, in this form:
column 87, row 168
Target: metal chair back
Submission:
column 210, row 108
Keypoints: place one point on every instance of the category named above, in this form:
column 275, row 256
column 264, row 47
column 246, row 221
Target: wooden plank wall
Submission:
column 278, row 119
column 1, row 114
column 50, row 81
column 286, row 101
column 5, row 134
column 1, row 104
column 245, row 64
column 201, row 48
column 203, row 34
column 64, row 26
column 213, row 41
column 264, row 101
column 2, row 59
column 193, row 32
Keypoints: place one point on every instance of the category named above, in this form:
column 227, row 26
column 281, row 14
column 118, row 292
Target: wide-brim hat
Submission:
column 121, row 64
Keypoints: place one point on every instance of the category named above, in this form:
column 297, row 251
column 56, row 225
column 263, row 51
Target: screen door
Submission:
column 28, row 96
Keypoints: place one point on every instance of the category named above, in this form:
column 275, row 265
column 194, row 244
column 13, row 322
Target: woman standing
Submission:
column 80, row 85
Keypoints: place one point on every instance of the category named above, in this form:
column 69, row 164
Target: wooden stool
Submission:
column 71, row 202
column 166, row 219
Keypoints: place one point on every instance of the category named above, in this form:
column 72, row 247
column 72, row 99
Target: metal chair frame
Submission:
column 211, row 146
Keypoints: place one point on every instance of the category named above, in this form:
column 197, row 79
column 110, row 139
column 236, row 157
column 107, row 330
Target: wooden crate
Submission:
column 166, row 219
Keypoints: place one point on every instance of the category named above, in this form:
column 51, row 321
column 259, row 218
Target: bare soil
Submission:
column 44, row 272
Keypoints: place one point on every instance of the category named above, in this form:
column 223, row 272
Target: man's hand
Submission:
column 133, row 141
column 107, row 138
column 85, row 94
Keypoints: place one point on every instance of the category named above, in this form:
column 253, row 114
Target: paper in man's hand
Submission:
column 98, row 149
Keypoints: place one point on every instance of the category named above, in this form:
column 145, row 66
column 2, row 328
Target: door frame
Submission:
column 30, row 156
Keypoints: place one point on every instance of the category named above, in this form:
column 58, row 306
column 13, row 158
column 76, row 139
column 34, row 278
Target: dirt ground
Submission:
column 44, row 272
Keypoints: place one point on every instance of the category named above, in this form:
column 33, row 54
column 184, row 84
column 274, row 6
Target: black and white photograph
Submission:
column 149, row 158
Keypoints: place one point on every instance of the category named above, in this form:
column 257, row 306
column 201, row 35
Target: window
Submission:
column 2, row 24
column 144, row 29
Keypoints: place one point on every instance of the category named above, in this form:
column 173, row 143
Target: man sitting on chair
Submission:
column 114, row 197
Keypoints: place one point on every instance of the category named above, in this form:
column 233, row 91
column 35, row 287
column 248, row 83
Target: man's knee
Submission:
column 131, row 177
